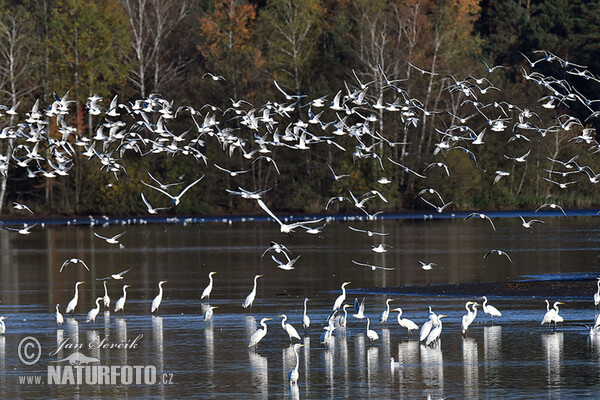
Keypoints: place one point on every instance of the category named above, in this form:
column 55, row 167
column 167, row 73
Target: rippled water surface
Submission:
column 513, row 358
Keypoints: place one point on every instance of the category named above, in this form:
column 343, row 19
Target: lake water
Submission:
column 513, row 358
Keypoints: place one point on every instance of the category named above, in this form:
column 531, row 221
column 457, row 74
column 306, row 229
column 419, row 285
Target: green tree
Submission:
column 292, row 30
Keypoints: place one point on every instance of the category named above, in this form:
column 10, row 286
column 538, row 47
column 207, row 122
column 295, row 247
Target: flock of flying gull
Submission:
column 46, row 144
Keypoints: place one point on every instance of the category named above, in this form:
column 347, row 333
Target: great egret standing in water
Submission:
column 469, row 317
column 259, row 334
column 344, row 318
column 91, row 316
column 491, row 310
column 158, row 298
column 371, row 334
column 291, row 331
column 305, row 319
column 293, row 375
column 436, row 332
column 2, row 326
column 59, row 317
column 597, row 295
column 73, row 303
column 552, row 313
column 405, row 322
column 106, row 298
column 250, row 298
column 120, row 304
column 209, row 313
column 428, row 325
column 341, row 298
column 208, row 289
column 386, row 313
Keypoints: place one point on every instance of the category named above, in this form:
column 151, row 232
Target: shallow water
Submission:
column 513, row 358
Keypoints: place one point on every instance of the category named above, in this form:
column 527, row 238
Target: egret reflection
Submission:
column 470, row 368
column 552, row 344
column 259, row 370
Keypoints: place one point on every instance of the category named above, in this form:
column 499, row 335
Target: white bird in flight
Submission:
column 527, row 224
column 480, row 215
column 176, row 199
column 285, row 266
column 285, row 228
column 73, row 261
column 111, row 240
column 117, row 276
column 373, row 267
column 369, row 233
column 500, row 253
column 152, row 210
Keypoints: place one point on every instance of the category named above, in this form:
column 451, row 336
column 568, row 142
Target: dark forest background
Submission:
column 139, row 48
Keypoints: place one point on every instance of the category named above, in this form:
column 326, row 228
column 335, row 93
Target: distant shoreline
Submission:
column 132, row 220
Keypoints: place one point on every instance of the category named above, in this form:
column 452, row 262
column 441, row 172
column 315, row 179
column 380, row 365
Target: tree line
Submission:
column 415, row 48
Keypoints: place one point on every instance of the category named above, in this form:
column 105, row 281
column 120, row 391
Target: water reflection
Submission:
column 350, row 367
column 259, row 369
column 552, row 344
column 294, row 392
column 432, row 362
column 59, row 339
column 470, row 367
column 372, row 367
column 492, row 347
column 250, row 324
column 306, row 369
column 121, row 327
column 92, row 338
column 73, row 329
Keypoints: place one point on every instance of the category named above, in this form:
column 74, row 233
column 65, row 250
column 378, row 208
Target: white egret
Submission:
column 209, row 313
column 250, row 298
column 436, row 332
column 405, row 322
column 597, row 295
column 91, row 316
column 158, row 298
column 259, row 334
column 73, row 303
column 106, row 298
column 385, row 314
column 305, row 319
column 293, row 375
column 491, row 310
column 552, row 314
column 208, row 289
column 120, row 304
column 291, row 331
column 344, row 319
column 341, row 298
column 371, row 334
column 394, row 364
column 327, row 335
column 428, row 325
column 2, row 326
column 59, row 317
column 469, row 317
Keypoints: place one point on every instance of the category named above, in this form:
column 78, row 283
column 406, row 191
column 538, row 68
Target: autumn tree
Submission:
column 226, row 30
